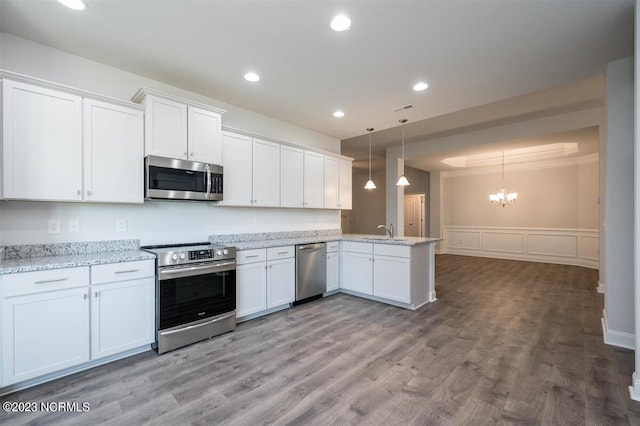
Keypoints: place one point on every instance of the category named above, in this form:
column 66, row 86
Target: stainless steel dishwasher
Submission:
column 311, row 271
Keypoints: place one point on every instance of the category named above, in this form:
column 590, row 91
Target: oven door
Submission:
column 195, row 292
column 175, row 179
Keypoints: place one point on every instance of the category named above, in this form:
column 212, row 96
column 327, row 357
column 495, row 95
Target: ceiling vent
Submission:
column 403, row 108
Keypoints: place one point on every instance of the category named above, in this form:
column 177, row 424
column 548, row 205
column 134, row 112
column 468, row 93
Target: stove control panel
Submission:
column 201, row 254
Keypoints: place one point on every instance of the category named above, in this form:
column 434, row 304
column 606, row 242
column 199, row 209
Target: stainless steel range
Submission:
column 195, row 293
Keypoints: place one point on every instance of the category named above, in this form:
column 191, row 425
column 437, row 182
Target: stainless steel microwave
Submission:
column 174, row 179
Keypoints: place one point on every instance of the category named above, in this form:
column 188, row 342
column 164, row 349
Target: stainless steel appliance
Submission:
column 195, row 293
column 173, row 179
column 311, row 271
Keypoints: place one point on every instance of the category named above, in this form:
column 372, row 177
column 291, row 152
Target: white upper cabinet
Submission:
column 266, row 173
column 345, row 192
column 165, row 128
column 179, row 128
column 331, row 182
column 313, row 180
column 204, row 135
column 291, row 176
column 61, row 147
column 113, row 135
column 42, row 143
column 236, row 159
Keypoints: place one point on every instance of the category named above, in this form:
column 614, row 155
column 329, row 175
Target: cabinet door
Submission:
column 357, row 272
column 292, row 176
column 313, row 179
column 345, row 184
column 251, row 288
column 236, row 159
column 266, row 173
column 165, row 128
column 122, row 316
column 331, row 180
column 43, row 333
column 113, row 153
column 391, row 278
column 333, row 271
column 204, row 136
column 42, row 143
column 281, row 282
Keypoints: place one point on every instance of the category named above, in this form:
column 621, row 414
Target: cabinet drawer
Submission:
column 392, row 250
column 333, row 246
column 280, row 252
column 39, row 281
column 251, row 256
column 123, row 271
column 357, row 247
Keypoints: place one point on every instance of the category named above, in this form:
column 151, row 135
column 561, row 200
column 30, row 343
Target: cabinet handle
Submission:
column 51, row 281
column 78, row 192
column 283, row 252
column 270, row 266
column 85, row 296
column 97, row 293
column 128, row 271
column 253, row 255
column 191, row 154
column 184, row 153
column 88, row 193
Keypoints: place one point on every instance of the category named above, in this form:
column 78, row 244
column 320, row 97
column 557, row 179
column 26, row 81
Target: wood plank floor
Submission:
column 506, row 343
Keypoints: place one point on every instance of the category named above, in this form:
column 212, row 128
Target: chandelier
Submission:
column 503, row 198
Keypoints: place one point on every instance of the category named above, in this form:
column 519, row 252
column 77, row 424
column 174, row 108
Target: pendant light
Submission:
column 403, row 180
column 370, row 184
column 503, row 198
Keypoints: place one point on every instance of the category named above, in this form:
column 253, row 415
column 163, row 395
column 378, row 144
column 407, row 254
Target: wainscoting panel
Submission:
column 505, row 242
column 552, row 245
column 466, row 240
column 564, row 246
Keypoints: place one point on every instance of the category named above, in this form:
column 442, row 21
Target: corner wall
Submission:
column 618, row 315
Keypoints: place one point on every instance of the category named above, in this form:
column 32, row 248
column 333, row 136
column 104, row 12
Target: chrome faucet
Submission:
column 389, row 229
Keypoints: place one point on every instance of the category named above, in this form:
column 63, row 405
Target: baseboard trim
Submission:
column 634, row 389
column 601, row 287
column 617, row 338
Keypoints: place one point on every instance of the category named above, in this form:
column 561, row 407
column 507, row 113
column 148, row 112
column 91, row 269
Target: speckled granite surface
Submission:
column 40, row 257
column 279, row 239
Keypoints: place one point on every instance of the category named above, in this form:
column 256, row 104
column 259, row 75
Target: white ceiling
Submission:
column 470, row 52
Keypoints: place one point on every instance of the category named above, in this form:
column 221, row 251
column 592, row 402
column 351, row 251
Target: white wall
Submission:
column 618, row 208
column 158, row 221
column 553, row 194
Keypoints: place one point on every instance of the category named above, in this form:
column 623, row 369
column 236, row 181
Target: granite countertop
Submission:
column 362, row 238
column 42, row 257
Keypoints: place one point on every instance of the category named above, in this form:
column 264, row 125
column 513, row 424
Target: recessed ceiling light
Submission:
column 252, row 77
column 419, row 87
column 340, row 23
column 338, row 114
column 73, row 4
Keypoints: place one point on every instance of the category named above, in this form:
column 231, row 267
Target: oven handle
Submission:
column 204, row 324
column 166, row 274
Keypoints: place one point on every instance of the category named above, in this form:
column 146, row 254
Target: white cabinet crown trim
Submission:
column 142, row 93
column 67, row 89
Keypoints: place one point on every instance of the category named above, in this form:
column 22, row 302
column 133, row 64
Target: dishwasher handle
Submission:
column 311, row 246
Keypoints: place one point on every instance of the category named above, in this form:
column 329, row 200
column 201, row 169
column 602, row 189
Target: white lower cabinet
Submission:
column 43, row 333
column 265, row 279
column 122, row 316
column 57, row 319
column 357, row 272
column 251, row 288
column 333, row 266
column 391, row 278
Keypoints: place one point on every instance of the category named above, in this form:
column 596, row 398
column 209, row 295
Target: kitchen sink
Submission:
column 384, row 238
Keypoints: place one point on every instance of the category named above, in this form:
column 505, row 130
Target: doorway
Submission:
column 414, row 215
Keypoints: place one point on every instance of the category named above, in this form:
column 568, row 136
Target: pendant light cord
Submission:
column 369, row 155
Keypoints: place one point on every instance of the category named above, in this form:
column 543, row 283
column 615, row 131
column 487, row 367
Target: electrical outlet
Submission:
column 73, row 225
column 121, row 225
column 54, row 226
